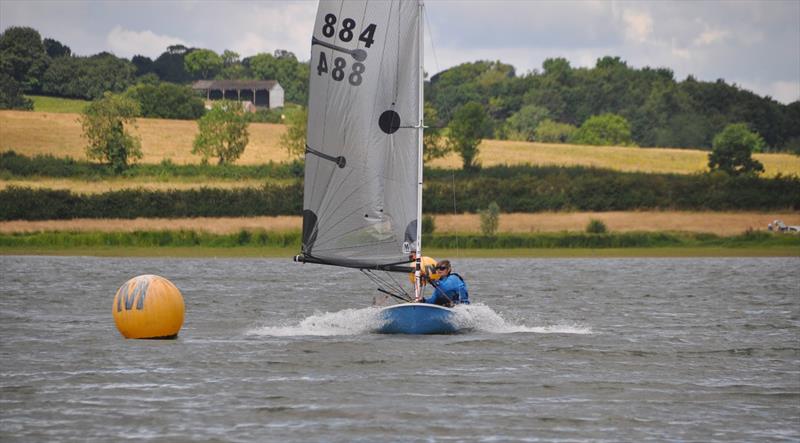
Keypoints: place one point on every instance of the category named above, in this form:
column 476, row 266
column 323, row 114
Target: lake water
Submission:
column 560, row 350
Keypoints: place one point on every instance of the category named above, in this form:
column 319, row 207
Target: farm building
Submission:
column 261, row 93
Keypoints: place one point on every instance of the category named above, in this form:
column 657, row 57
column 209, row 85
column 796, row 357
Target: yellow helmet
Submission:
column 428, row 270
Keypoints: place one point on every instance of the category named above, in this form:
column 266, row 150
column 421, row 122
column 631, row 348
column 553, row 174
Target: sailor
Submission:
column 450, row 289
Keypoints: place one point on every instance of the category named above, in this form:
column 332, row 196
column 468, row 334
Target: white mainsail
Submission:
column 362, row 163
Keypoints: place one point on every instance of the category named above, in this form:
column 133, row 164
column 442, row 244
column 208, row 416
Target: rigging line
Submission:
column 430, row 37
column 327, row 207
column 399, row 291
column 393, row 284
column 397, row 283
column 455, row 213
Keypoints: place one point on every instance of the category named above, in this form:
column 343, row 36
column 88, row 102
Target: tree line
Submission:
column 32, row 65
column 551, row 104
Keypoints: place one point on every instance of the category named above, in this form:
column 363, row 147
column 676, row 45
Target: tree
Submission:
column 222, row 132
column 294, row 139
column 732, row 151
column 524, row 122
column 170, row 66
column 283, row 67
column 103, row 123
column 549, row 131
column 203, row 62
column 167, row 100
column 604, row 130
column 432, row 145
column 88, row 77
column 596, row 227
column 229, row 58
column 490, row 219
column 11, row 94
column 467, row 128
column 23, row 56
column 144, row 65
column 55, row 48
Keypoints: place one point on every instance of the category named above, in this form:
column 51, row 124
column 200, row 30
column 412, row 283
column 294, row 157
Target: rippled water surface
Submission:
column 560, row 350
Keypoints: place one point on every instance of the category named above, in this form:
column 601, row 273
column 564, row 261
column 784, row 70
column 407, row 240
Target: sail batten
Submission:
column 361, row 178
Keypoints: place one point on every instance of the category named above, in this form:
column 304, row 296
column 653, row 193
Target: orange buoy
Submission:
column 148, row 306
column 428, row 269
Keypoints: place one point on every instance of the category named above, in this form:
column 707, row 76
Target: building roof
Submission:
column 234, row 84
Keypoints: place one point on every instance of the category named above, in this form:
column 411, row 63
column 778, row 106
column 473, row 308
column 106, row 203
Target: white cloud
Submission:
column 683, row 53
column 126, row 43
column 711, row 36
column 785, row 92
column 270, row 26
column 638, row 25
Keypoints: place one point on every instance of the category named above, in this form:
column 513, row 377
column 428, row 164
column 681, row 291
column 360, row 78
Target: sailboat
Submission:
column 362, row 202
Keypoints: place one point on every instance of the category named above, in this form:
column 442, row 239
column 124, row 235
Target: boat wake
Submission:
column 479, row 317
column 346, row 322
column 476, row 318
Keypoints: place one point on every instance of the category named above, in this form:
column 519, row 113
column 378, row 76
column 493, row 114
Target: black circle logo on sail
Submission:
column 389, row 122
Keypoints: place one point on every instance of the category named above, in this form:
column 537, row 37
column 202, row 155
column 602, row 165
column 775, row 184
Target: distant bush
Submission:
column 604, row 130
column 522, row 125
column 265, row 116
column 596, row 227
column 549, row 131
column 490, row 219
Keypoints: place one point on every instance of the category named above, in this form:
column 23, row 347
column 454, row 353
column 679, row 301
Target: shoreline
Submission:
column 289, row 253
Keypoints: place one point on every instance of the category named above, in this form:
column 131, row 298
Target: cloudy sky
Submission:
column 754, row 44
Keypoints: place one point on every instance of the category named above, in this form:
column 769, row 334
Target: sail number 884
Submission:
column 346, row 34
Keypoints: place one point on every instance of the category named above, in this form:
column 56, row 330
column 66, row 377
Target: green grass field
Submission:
column 59, row 105
column 264, row 244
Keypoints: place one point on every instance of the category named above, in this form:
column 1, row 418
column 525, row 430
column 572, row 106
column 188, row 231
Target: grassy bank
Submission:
column 58, row 105
column 262, row 243
column 288, row 253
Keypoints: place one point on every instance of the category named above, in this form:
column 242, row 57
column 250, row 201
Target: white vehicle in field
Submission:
column 780, row 226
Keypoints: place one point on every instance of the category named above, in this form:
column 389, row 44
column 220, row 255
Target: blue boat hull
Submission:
column 417, row 318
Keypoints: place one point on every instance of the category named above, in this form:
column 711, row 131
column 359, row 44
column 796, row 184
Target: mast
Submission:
column 420, row 129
